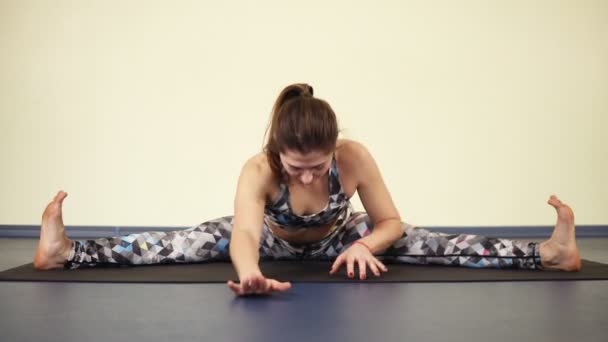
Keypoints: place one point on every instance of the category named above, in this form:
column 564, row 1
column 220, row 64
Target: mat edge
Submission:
column 338, row 280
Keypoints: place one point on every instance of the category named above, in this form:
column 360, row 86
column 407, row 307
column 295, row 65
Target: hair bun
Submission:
column 310, row 90
column 296, row 90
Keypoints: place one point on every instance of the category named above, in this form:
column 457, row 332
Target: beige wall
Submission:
column 476, row 111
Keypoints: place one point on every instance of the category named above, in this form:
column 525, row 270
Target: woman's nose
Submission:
column 306, row 177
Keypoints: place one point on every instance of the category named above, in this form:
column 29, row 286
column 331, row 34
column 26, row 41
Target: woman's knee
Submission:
column 221, row 224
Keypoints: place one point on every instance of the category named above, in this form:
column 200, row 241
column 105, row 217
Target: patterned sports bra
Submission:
column 281, row 214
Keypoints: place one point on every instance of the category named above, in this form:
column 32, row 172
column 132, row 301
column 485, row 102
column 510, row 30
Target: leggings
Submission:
column 209, row 241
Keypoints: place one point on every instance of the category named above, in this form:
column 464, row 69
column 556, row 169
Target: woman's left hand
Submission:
column 363, row 257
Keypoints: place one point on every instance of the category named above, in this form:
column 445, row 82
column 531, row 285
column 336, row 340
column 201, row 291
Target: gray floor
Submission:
column 503, row 311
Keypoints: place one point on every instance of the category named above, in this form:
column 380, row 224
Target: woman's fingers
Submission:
column 336, row 265
column 373, row 267
column 274, row 285
column 376, row 266
column 350, row 267
column 360, row 257
column 247, row 285
column 263, row 286
column 253, row 286
column 260, row 285
column 236, row 288
column 362, row 268
column 381, row 265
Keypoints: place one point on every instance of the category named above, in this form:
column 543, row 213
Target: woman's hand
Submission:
column 358, row 253
column 256, row 283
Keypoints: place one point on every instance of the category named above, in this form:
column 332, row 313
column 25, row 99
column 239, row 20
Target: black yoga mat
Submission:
column 296, row 271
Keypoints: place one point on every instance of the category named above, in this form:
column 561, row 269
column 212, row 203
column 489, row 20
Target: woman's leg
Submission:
column 209, row 241
column 206, row 242
column 420, row 246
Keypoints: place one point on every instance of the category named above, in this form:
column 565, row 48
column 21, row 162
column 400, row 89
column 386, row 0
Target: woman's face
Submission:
column 306, row 168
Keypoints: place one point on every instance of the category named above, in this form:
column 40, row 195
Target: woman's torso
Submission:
column 311, row 199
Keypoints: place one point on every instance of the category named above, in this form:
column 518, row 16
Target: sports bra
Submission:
column 280, row 213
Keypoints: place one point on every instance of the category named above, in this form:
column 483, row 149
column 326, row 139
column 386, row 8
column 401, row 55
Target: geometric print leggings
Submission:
column 210, row 241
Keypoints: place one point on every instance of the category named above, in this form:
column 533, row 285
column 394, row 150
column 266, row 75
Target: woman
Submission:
column 292, row 202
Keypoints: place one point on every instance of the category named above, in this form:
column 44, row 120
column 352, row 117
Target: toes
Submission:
column 564, row 211
column 61, row 195
column 555, row 202
column 52, row 211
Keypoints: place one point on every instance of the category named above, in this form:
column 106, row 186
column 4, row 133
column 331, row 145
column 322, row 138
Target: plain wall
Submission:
column 144, row 111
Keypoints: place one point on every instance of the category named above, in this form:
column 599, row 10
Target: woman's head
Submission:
column 302, row 130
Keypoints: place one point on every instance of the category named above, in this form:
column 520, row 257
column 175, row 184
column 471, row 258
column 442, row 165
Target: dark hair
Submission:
column 299, row 122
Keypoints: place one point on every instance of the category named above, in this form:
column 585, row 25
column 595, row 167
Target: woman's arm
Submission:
column 379, row 206
column 377, row 201
column 247, row 229
column 248, row 218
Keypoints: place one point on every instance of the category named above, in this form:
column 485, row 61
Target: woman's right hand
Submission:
column 255, row 283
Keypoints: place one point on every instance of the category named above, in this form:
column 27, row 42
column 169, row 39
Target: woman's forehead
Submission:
column 297, row 158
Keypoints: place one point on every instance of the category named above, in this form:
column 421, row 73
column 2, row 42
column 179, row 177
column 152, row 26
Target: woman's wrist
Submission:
column 246, row 270
column 359, row 242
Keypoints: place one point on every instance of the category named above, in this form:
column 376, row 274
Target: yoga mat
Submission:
column 296, row 271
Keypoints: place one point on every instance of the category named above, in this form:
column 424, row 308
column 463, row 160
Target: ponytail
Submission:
column 299, row 122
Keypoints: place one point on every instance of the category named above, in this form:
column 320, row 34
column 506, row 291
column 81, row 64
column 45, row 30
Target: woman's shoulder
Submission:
column 350, row 155
column 257, row 172
column 258, row 165
column 349, row 151
column 257, row 177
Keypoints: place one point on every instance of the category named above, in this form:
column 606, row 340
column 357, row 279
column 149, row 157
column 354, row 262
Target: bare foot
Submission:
column 54, row 246
column 560, row 251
